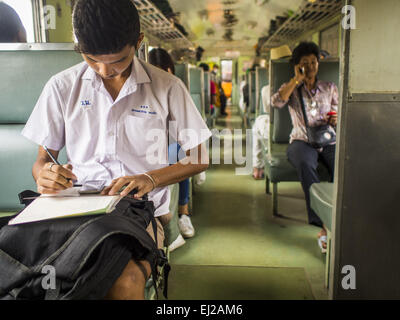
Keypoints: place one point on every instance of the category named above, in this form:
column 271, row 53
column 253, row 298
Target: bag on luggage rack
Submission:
column 85, row 255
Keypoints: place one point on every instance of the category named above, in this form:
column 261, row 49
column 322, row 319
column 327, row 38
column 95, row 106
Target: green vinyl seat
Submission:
column 262, row 80
column 17, row 155
column 171, row 230
column 321, row 201
column 24, row 74
column 196, row 89
column 251, row 110
column 278, row 167
column 210, row 117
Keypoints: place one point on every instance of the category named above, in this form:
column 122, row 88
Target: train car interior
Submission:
column 263, row 222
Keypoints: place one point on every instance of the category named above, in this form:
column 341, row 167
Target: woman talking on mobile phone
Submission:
column 313, row 107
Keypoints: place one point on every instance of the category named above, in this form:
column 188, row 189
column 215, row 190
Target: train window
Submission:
column 226, row 70
column 25, row 12
column 226, row 75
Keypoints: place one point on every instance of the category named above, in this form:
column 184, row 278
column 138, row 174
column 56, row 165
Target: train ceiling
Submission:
column 227, row 27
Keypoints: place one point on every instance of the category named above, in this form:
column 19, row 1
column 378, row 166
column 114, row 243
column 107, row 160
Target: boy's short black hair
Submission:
column 161, row 58
column 105, row 26
column 305, row 49
column 10, row 24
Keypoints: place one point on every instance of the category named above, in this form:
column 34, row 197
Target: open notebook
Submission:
column 68, row 203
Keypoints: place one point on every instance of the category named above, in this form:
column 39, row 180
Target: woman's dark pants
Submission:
column 305, row 158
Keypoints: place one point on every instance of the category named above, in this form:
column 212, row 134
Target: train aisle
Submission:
column 239, row 251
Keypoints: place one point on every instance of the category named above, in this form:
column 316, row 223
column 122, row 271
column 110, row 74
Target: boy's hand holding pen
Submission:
column 54, row 177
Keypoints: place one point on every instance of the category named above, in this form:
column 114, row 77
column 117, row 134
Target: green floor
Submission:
column 6, row 214
column 240, row 251
column 239, row 283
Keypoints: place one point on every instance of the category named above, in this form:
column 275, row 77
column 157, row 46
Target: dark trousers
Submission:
column 223, row 103
column 305, row 159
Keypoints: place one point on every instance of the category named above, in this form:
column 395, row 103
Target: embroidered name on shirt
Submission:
column 143, row 109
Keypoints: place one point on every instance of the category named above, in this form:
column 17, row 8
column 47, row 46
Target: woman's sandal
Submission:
column 321, row 240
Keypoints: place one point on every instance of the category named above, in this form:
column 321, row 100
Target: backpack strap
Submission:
column 162, row 261
column 166, row 270
column 154, row 271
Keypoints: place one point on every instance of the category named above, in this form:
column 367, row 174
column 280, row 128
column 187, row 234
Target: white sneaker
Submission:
column 200, row 178
column 186, row 227
column 178, row 242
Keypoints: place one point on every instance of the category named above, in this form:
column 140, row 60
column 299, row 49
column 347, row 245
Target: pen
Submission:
column 57, row 163
column 51, row 156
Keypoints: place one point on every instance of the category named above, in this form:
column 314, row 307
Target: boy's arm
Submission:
column 196, row 161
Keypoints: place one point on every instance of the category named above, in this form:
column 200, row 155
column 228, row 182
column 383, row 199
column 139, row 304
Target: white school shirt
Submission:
column 108, row 139
column 266, row 98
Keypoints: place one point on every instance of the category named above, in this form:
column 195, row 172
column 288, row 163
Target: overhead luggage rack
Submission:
column 158, row 26
column 305, row 19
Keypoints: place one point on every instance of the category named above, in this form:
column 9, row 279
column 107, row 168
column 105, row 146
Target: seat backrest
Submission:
column 262, row 79
column 253, row 92
column 24, row 74
column 182, row 72
column 281, row 72
column 196, row 88
column 207, row 93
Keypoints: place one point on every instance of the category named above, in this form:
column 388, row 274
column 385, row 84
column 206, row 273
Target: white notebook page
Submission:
column 46, row 207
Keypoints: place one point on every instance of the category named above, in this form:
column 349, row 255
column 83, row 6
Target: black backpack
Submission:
column 87, row 254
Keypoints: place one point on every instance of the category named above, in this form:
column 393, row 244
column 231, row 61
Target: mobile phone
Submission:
column 331, row 113
column 92, row 187
column 302, row 70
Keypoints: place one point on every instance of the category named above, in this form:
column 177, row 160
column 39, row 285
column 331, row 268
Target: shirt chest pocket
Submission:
column 139, row 130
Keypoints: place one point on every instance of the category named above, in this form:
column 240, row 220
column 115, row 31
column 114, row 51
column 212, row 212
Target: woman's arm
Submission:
column 286, row 91
column 280, row 98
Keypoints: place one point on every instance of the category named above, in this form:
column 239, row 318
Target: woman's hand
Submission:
column 299, row 75
column 286, row 90
column 54, row 178
column 331, row 118
column 141, row 183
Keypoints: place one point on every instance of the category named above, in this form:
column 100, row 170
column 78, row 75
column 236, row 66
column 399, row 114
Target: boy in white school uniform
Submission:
column 103, row 109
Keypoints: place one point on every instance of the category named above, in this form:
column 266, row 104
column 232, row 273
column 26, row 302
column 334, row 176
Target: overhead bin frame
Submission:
column 156, row 24
column 309, row 16
column 37, row 46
